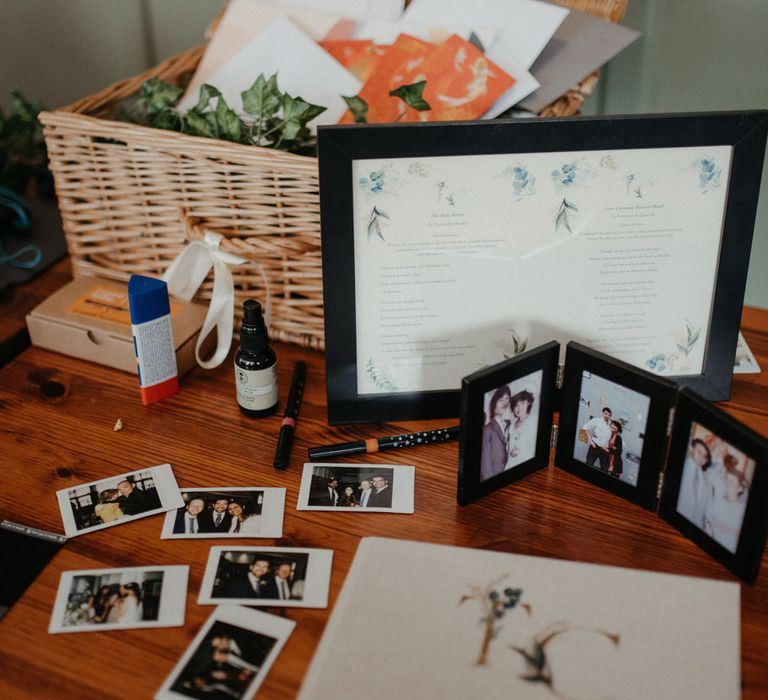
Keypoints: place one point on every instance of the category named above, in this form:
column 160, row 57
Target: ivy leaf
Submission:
column 227, row 122
column 158, row 96
column 412, row 95
column 207, row 92
column 169, row 119
column 296, row 113
column 359, row 108
column 262, row 99
column 197, row 124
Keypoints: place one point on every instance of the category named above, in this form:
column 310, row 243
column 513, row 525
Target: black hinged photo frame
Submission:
column 626, row 431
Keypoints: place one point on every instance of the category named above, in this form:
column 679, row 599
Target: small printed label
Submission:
column 256, row 389
column 155, row 351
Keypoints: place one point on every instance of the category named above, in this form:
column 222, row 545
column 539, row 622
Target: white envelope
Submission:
column 525, row 26
column 303, row 70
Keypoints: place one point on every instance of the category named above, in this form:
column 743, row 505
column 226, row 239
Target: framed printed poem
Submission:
column 448, row 247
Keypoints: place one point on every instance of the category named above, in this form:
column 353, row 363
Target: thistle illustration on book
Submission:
column 494, row 604
column 539, row 669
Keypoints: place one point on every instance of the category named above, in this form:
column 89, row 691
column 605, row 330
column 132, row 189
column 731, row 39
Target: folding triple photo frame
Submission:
column 627, row 431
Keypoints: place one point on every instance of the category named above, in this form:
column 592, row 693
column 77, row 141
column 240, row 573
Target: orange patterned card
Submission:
column 461, row 82
column 395, row 68
column 359, row 57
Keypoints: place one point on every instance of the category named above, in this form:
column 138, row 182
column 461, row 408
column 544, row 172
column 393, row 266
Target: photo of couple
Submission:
column 612, row 421
column 112, row 499
column 265, row 575
column 714, row 487
column 114, row 599
column 511, row 425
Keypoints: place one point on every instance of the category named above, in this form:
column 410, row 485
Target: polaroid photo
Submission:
column 118, row 499
column 506, row 422
column 359, row 488
column 613, row 424
column 227, row 512
column 274, row 576
column 716, row 486
column 230, row 656
column 112, row 599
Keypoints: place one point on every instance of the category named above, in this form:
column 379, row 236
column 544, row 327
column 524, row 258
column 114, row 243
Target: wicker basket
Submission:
column 131, row 197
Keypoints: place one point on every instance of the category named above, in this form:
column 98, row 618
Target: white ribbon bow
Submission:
column 185, row 275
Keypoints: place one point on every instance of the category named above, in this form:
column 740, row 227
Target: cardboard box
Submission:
column 89, row 318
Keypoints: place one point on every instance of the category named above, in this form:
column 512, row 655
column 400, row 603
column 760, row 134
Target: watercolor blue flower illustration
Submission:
column 522, row 182
column 381, row 378
column 709, row 174
column 566, row 176
column 565, row 210
column 373, row 183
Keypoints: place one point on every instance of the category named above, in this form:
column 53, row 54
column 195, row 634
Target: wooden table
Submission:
column 56, row 430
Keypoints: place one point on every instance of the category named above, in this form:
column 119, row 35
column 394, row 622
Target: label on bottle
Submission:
column 256, row 389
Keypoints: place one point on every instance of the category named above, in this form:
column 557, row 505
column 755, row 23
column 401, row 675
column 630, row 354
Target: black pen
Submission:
column 285, row 439
column 426, row 437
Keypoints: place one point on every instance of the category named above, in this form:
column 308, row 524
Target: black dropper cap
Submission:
column 253, row 332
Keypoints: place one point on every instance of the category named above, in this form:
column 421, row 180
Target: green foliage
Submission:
column 359, row 108
column 412, row 95
column 271, row 118
column 23, row 156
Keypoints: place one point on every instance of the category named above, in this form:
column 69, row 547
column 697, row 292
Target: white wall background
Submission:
column 694, row 55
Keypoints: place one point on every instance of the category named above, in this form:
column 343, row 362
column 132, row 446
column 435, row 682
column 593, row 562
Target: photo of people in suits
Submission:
column 219, row 513
column 611, row 424
column 351, row 487
column 510, row 426
column 714, row 486
column 274, row 576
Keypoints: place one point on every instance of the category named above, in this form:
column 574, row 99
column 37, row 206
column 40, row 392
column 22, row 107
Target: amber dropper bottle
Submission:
column 255, row 365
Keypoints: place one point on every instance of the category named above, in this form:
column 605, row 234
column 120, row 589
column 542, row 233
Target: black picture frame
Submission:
column 472, row 482
column 617, row 378
column 340, row 146
column 745, row 561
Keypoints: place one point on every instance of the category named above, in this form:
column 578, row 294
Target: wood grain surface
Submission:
column 56, row 430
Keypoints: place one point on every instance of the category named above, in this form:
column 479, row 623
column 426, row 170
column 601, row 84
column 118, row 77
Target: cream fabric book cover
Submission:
column 417, row 620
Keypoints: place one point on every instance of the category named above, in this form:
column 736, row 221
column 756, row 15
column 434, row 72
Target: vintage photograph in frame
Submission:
column 447, row 246
column 715, row 487
column 506, row 422
column 613, row 424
